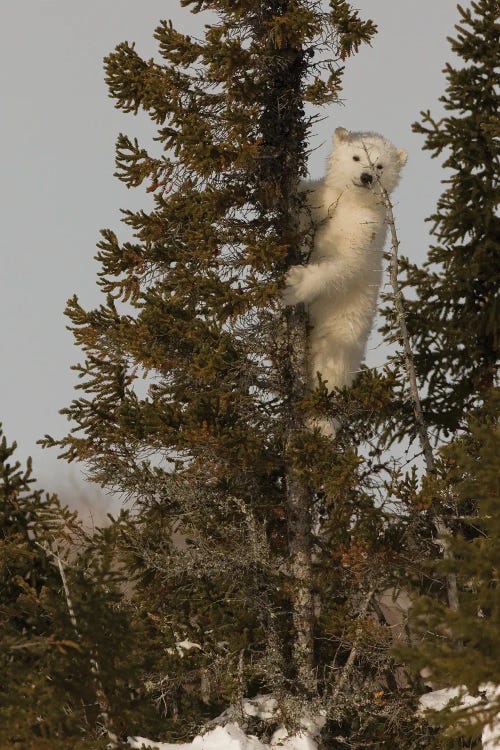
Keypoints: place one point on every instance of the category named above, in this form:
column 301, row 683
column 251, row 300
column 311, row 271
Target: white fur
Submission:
column 341, row 280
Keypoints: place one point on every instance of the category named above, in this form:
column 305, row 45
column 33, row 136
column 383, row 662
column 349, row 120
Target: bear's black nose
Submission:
column 366, row 178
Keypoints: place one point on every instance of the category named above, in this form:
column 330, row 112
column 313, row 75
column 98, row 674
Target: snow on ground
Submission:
column 490, row 696
column 231, row 736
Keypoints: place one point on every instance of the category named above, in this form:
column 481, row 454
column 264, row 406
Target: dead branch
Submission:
column 104, row 718
column 442, row 530
column 349, row 665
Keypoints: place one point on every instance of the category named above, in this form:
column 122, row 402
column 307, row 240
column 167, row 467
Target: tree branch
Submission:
column 353, row 655
column 104, row 718
column 443, row 532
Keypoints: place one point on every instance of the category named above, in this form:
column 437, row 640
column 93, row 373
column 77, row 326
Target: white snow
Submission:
column 491, row 736
column 182, row 646
column 262, row 706
column 140, row 742
column 230, row 736
column 266, row 707
column 301, row 741
column 439, row 699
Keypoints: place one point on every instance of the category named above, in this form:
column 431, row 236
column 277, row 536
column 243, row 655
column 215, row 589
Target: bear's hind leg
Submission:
column 337, row 364
column 334, row 361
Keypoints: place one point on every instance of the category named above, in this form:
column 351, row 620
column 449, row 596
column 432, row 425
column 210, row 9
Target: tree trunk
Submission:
column 284, row 132
column 298, row 510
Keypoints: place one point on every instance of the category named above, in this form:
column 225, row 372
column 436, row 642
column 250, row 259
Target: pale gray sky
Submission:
column 58, row 129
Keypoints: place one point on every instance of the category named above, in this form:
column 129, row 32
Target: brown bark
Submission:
column 298, row 509
column 284, row 130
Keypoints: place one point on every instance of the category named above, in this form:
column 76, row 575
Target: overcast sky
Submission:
column 58, row 129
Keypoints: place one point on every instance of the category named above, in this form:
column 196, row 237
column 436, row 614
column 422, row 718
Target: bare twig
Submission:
column 351, row 660
column 443, row 532
column 104, row 718
column 423, row 433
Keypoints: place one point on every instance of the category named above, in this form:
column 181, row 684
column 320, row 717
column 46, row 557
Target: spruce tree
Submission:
column 453, row 311
column 70, row 647
column 258, row 542
column 461, row 648
column 453, row 321
column 37, row 642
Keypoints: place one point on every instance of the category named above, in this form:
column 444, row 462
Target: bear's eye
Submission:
column 355, row 158
column 380, row 166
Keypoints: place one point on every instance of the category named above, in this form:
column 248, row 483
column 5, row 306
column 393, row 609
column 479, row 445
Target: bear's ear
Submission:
column 402, row 156
column 341, row 135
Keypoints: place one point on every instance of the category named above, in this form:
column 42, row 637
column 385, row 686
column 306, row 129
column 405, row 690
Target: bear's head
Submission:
column 364, row 161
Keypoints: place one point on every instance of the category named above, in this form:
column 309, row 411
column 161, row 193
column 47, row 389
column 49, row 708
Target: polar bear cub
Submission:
column 341, row 280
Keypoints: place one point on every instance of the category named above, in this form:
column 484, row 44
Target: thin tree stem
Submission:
column 443, row 532
column 104, row 718
column 422, row 430
column 353, row 655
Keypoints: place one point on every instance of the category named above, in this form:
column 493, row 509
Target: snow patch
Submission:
column 228, row 735
column 262, row 706
column 182, row 646
column 283, row 741
column 232, row 737
column 490, row 698
column 439, row 699
column 266, row 707
column 140, row 742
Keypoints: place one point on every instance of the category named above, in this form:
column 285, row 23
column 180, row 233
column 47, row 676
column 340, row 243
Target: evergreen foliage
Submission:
column 34, row 640
column 259, row 550
column 49, row 691
column 462, row 648
column 453, row 310
column 453, row 320
column 254, row 539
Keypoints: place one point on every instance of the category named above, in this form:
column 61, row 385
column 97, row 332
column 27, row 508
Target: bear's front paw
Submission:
column 300, row 285
column 297, row 286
